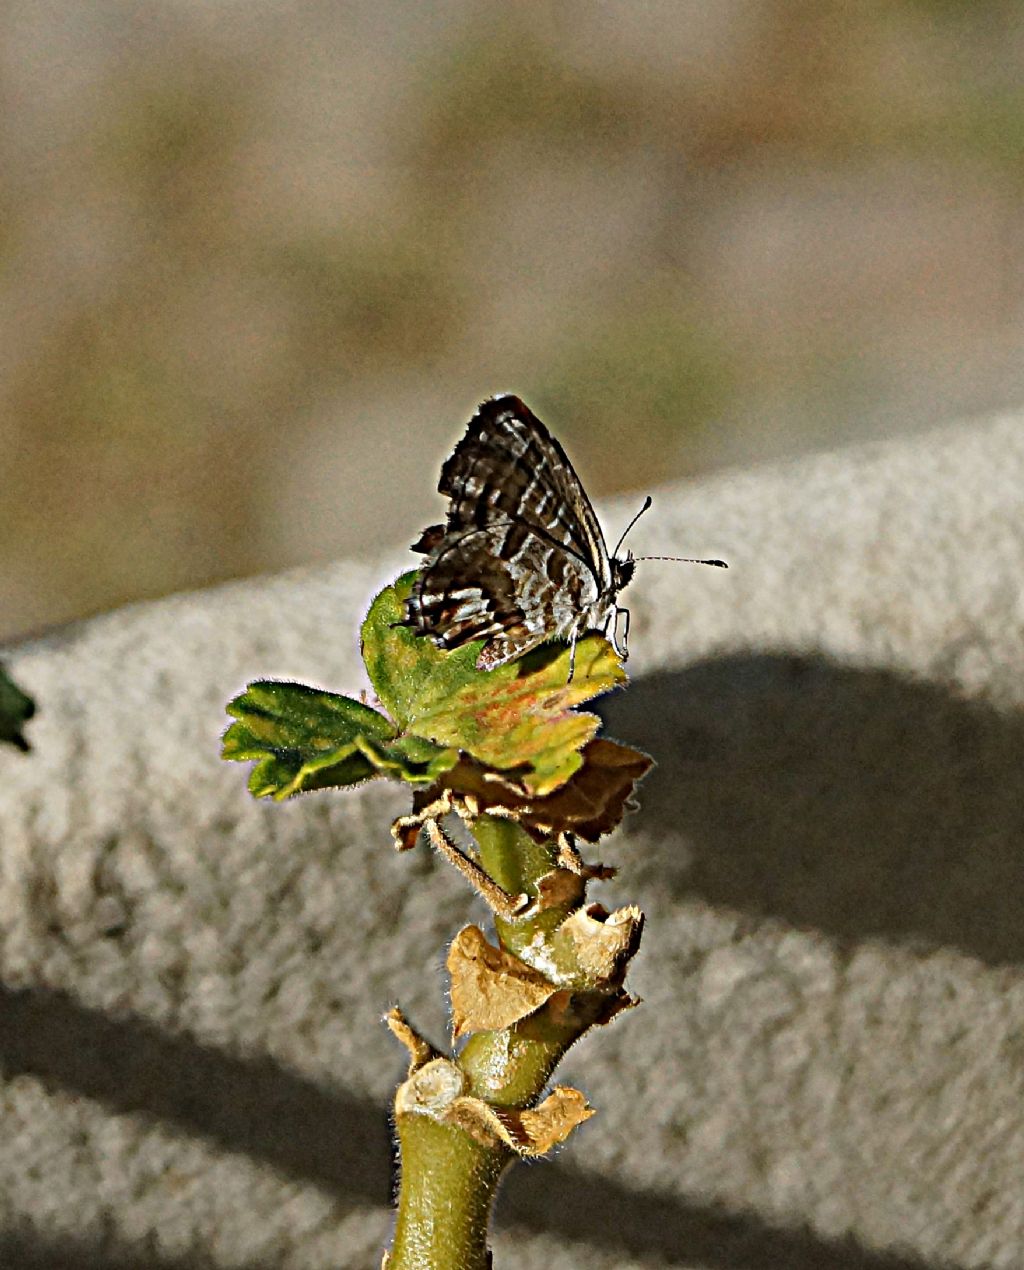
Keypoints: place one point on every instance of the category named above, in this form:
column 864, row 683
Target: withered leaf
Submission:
column 590, row 804
column 420, row 1050
column 529, row 1133
column 490, row 989
column 602, row 943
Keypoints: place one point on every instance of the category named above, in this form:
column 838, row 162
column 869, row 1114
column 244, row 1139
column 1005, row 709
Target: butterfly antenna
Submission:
column 719, row 564
column 647, row 502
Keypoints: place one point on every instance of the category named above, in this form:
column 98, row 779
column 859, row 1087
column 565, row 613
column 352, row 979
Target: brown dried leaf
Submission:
column 590, row 804
column 477, row 1119
column 420, row 1050
column 560, row 889
column 617, row 1005
column 556, row 1117
column 603, row 942
column 406, row 833
column 490, row 988
column 529, row 1133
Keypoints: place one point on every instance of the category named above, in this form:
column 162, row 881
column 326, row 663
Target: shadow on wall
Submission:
column 854, row 802
column 341, row 1143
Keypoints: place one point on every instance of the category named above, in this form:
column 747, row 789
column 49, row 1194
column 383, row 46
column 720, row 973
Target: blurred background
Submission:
column 259, row 261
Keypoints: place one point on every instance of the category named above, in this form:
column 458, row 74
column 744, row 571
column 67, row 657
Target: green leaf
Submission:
column 15, row 708
column 410, row 674
column 409, row 758
column 303, row 738
column 517, row 718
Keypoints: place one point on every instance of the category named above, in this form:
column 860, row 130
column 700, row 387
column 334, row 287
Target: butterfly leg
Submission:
column 572, row 658
column 621, row 643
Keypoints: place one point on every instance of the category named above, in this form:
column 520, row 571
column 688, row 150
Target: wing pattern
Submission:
column 521, row 558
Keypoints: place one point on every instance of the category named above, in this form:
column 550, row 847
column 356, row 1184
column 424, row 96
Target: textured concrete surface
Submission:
column 828, row 1068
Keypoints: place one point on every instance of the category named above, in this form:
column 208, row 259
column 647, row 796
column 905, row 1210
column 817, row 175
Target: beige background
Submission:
column 259, row 261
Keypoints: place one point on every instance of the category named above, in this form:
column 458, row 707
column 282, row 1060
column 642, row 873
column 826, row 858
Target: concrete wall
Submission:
column 828, row 1065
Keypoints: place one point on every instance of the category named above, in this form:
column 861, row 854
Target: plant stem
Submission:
column 449, row 1175
column 448, row 1185
column 517, row 863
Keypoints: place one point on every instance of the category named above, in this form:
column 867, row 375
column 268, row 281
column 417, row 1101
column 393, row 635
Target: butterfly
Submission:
column 521, row 559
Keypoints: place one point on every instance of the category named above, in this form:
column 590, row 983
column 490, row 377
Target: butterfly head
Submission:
column 622, row 571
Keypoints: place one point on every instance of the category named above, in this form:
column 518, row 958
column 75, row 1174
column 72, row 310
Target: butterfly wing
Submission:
column 522, row 556
column 509, row 466
column 468, row 590
column 463, row 593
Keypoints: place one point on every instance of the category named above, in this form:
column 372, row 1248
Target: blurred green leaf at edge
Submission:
column 15, row 708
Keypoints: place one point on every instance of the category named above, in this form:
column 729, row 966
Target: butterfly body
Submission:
column 522, row 558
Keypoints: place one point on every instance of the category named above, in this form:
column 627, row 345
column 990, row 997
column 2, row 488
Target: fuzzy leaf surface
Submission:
column 303, row 738
column 517, row 718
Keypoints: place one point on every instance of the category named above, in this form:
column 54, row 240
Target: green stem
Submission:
column 512, row 858
column 517, row 863
column 448, row 1185
column 511, row 1068
column 448, row 1176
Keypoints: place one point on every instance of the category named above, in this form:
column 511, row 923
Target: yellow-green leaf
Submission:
column 410, row 675
column 519, row 718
